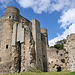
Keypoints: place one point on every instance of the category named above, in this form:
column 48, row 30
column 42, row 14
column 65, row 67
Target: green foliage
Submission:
column 59, row 44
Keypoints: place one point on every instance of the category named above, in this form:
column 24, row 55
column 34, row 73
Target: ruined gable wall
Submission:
column 54, row 59
column 70, row 48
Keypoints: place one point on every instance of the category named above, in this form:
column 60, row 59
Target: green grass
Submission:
column 44, row 73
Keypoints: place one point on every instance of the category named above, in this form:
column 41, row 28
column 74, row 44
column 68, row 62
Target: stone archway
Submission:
column 58, row 68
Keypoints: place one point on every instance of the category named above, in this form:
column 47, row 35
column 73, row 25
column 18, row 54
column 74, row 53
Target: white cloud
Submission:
column 4, row 3
column 63, row 5
column 67, row 20
column 39, row 6
column 25, row 3
column 67, row 8
column 68, row 31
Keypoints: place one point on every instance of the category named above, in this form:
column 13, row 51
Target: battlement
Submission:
column 12, row 9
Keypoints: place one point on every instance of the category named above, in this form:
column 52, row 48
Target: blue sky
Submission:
column 57, row 16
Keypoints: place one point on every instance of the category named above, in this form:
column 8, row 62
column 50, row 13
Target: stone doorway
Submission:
column 58, row 69
column 19, row 55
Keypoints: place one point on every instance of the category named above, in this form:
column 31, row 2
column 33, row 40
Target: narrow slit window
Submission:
column 9, row 16
column 6, row 46
column 44, row 56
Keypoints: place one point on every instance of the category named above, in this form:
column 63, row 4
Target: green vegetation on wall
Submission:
column 59, row 44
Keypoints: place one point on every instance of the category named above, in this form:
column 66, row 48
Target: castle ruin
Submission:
column 24, row 45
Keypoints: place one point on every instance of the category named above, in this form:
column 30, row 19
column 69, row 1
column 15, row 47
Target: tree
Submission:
column 59, row 44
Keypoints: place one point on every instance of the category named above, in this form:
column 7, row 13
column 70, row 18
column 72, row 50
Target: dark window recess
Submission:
column 56, row 60
column 39, row 60
column 6, row 46
column 58, row 69
column 13, row 17
column 61, row 54
column 0, row 59
column 63, row 60
column 67, row 52
column 51, row 61
column 44, row 56
column 9, row 16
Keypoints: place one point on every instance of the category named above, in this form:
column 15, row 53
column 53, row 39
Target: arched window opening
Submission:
column 58, row 69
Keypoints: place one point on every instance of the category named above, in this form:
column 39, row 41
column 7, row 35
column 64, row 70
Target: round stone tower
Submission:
column 12, row 13
column 9, row 54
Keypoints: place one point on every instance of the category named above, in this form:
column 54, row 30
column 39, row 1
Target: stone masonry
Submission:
column 20, row 43
column 70, row 49
column 24, row 46
column 57, row 60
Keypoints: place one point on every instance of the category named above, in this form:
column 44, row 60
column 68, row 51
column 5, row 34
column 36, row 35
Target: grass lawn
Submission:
column 45, row 73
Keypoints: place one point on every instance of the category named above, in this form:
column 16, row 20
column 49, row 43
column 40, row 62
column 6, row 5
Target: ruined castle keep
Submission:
column 24, row 46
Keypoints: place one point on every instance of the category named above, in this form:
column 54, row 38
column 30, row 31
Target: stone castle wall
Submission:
column 37, row 38
column 1, row 31
column 44, row 44
column 5, row 52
